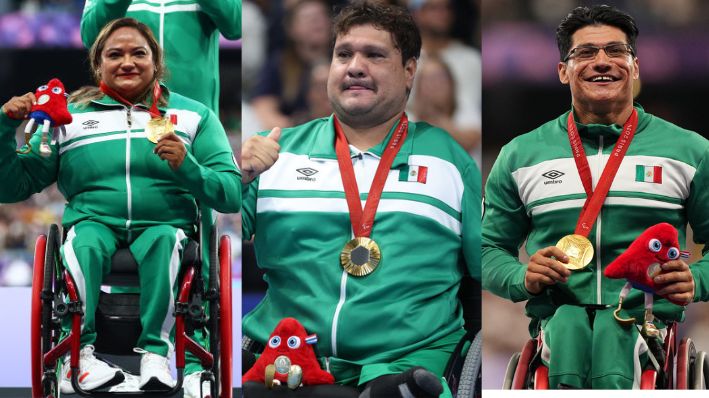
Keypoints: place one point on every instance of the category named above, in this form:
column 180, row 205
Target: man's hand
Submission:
column 258, row 154
column 677, row 282
column 546, row 268
column 19, row 107
column 172, row 149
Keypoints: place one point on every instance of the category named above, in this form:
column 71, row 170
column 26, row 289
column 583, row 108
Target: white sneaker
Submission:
column 190, row 385
column 154, row 372
column 94, row 373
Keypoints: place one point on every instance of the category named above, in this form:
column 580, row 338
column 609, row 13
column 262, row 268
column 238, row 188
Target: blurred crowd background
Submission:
column 39, row 40
column 521, row 90
column 287, row 51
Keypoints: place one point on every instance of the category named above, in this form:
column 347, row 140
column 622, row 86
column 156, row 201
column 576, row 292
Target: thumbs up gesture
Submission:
column 258, row 154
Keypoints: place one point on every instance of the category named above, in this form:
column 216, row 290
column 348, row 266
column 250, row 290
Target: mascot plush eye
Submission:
column 294, row 342
column 57, row 90
column 654, row 245
column 673, row 253
column 42, row 88
column 274, row 342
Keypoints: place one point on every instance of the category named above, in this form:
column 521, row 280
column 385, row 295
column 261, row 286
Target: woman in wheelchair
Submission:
column 131, row 165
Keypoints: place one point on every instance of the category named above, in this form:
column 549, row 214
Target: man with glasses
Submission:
column 599, row 174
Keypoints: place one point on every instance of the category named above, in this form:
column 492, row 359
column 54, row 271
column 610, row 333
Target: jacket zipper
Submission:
column 599, row 265
column 129, row 194
column 343, row 291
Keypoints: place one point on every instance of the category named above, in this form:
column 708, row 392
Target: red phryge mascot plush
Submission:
column 289, row 358
column 640, row 263
column 49, row 111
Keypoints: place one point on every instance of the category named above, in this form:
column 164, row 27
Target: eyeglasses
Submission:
column 589, row 52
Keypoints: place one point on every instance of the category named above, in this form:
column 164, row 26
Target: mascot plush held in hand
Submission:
column 640, row 263
column 289, row 358
column 49, row 111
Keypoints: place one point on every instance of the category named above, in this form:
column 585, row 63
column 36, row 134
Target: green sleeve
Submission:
column 248, row 211
column 697, row 207
column 98, row 13
column 209, row 170
column 23, row 174
column 226, row 14
column 504, row 228
column 471, row 219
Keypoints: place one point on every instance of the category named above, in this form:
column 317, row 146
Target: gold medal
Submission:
column 360, row 256
column 578, row 248
column 157, row 128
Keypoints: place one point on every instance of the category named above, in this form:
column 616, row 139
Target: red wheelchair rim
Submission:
column 225, row 314
column 36, row 317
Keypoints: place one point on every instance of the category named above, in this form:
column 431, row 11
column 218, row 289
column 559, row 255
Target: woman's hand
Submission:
column 172, row 149
column 19, row 107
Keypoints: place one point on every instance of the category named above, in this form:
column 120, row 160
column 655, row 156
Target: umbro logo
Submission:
column 90, row 124
column 307, row 173
column 552, row 176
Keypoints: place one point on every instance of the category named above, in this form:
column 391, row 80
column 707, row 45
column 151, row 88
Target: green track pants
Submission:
column 588, row 348
column 87, row 253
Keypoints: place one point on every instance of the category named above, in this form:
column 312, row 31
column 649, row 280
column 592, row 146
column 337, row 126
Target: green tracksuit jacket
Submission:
column 105, row 168
column 187, row 30
column 534, row 192
column 427, row 226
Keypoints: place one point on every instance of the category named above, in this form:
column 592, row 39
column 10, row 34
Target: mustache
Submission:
column 355, row 82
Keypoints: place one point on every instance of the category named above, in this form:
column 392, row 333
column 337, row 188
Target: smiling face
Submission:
column 127, row 63
column 602, row 84
column 368, row 83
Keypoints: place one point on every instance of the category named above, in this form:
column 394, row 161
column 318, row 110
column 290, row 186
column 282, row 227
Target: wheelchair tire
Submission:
column 699, row 371
column 510, row 371
column 36, row 316
column 225, row 316
column 686, row 355
column 42, row 334
column 470, row 376
column 214, row 304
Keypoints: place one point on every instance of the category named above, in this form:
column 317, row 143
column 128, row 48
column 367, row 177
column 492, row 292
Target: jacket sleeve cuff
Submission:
column 8, row 124
column 517, row 291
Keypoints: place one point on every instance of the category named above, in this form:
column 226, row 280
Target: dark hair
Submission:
column 393, row 19
column 581, row 17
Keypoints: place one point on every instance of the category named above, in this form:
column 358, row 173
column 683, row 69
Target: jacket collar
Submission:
column 611, row 131
column 107, row 100
column 324, row 146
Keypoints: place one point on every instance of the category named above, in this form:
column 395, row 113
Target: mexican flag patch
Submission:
column 413, row 173
column 648, row 174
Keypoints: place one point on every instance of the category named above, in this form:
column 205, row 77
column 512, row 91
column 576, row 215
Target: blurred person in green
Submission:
column 187, row 30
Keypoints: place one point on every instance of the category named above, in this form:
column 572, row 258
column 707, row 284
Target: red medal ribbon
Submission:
column 362, row 220
column 157, row 92
column 595, row 198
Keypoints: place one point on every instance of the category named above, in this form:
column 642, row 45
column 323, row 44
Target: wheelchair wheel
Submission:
column 225, row 303
column 214, row 304
column 510, row 371
column 700, row 371
column 470, row 376
column 220, row 339
column 686, row 357
column 43, row 334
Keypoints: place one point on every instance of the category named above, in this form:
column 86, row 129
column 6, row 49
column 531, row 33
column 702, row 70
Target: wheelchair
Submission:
column 670, row 366
column 462, row 374
column 55, row 299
